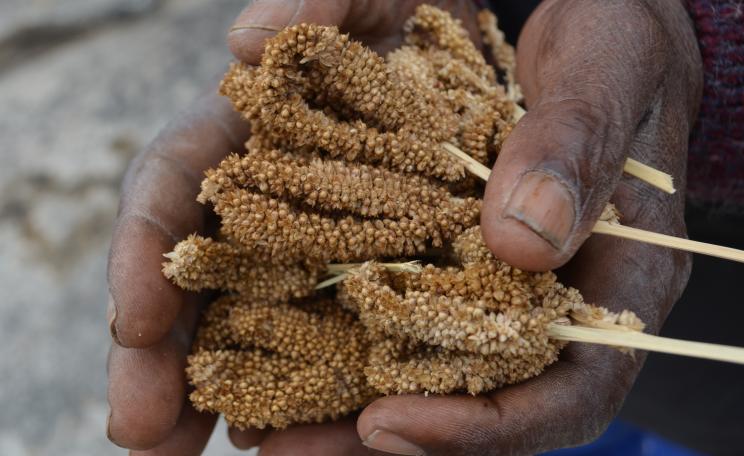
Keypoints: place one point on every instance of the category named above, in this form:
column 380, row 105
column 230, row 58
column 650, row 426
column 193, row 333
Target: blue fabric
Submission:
column 622, row 439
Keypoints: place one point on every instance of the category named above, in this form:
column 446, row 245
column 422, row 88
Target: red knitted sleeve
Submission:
column 716, row 155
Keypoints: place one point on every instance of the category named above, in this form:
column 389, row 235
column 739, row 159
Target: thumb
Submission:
column 262, row 19
column 560, row 165
column 379, row 24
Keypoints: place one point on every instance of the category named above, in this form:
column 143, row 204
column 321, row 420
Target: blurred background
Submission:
column 84, row 84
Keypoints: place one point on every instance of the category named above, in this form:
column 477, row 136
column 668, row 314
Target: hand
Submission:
column 603, row 80
column 152, row 322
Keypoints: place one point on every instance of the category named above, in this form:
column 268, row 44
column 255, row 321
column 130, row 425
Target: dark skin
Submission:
column 603, row 80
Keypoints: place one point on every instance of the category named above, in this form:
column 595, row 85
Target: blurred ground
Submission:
column 84, row 84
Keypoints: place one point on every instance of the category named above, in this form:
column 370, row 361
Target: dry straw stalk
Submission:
column 652, row 176
column 616, row 229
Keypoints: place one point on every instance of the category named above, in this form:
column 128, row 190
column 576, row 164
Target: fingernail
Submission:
column 111, row 313
column 265, row 17
column 391, row 443
column 108, row 428
column 545, row 205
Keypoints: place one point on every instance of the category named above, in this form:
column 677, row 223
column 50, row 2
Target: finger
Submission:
column 330, row 439
column 262, row 19
column 378, row 24
column 159, row 208
column 189, row 438
column 147, row 386
column 587, row 100
column 566, row 405
column 248, row 438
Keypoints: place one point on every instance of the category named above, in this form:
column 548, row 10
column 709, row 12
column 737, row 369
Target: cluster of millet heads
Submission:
column 344, row 165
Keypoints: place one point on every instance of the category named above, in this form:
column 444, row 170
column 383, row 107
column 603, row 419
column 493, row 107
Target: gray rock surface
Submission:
column 75, row 105
column 18, row 15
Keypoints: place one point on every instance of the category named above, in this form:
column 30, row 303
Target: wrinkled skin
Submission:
column 603, row 79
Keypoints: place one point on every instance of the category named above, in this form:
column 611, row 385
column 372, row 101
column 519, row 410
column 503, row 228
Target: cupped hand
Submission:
column 152, row 322
column 603, row 80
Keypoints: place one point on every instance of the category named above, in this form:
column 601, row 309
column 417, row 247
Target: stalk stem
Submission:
column 616, row 229
column 642, row 341
column 651, row 176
